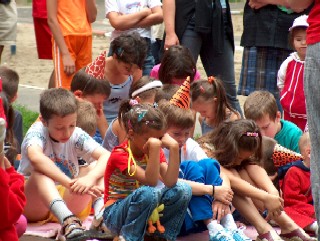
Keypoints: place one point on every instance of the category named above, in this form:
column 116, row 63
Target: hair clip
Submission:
column 202, row 89
column 142, row 113
column 211, row 79
column 251, row 134
column 155, row 105
column 133, row 102
column 120, row 51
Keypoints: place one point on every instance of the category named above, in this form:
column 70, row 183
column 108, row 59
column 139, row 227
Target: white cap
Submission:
column 300, row 21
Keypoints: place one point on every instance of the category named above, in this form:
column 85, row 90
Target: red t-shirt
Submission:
column 313, row 31
column 118, row 183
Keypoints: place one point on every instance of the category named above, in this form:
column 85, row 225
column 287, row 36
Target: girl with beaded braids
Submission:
column 120, row 68
column 133, row 171
column 209, row 98
column 237, row 147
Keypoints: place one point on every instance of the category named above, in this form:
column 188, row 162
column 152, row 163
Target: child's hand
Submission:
column 168, row 142
column 151, row 143
column 82, row 185
column 274, row 205
column 219, row 210
column 223, row 194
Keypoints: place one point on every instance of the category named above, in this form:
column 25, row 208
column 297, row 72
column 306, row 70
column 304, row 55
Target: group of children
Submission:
column 148, row 157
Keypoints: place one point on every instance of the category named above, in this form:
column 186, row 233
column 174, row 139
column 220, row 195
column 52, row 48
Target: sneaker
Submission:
column 222, row 235
column 98, row 230
column 269, row 236
column 238, row 235
column 297, row 235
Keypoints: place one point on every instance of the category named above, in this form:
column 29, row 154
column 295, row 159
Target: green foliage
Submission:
column 28, row 116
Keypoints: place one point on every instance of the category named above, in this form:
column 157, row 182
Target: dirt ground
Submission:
column 36, row 72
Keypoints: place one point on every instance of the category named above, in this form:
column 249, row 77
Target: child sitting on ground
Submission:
column 141, row 91
column 176, row 64
column 296, row 190
column 209, row 98
column 50, row 153
column 237, row 147
column 290, row 75
column 132, row 174
column 197, row 167
column 261, row 107
column 87, row 87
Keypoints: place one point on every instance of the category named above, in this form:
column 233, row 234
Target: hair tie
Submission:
column 130, row 125
column 133, row 102
column 251, row 134
column 202, row 89
column 211, row 79
column 155, row 105
column 120, row 51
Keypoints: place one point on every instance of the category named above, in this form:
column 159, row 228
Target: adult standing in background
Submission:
column 205, row 27
column 311, row 90
column 8, row 23
column 266, row 26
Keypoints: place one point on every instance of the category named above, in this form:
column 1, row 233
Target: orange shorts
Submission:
column 80, row 48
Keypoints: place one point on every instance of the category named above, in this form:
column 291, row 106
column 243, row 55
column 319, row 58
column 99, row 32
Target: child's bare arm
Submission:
column 155, row 17
column 126, row 21
column 91, row 10
column 85, row 183
column 119, row 131
column 170, row 172
column 46, row 166
column 68, row 62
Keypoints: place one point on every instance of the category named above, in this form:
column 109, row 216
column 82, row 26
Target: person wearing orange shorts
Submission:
column 70, row 24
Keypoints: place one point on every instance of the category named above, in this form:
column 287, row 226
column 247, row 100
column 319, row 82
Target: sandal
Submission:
column 98, row 230
column 297, row 235
column 72, row 230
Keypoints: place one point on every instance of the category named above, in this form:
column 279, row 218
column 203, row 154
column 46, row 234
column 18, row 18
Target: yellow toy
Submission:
column 155, row 218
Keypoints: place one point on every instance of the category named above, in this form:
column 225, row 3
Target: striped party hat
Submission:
column 181, row 98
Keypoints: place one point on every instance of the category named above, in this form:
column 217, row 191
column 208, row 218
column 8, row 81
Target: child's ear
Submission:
column 78, row 94
column 278, row 116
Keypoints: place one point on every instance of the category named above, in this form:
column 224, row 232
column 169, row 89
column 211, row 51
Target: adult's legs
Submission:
column 311, row 87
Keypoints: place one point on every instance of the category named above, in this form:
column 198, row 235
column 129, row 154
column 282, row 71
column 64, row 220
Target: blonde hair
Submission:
column 260, row 103
column 304, row 141
column 87, row 117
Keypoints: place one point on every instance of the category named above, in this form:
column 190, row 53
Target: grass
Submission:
column 28, row 116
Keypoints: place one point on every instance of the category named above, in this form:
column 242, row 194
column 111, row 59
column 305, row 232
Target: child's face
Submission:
column 180, row 134
column 61, row 128
column 299, row 43
column 97, row 100
column 269, row 127
column 207, row 108
column 305, row 152
column 126, row 68
column 243, row 155
column 138, row 140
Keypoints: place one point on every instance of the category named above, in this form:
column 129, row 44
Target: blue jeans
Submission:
column 219, row 65
column 128, row 217
column 311, row 90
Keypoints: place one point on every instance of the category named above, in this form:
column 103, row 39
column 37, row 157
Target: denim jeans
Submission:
column 311, row 90
column 128, row 217
column 219, row 65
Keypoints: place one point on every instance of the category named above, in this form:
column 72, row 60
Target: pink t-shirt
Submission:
column 155, row 73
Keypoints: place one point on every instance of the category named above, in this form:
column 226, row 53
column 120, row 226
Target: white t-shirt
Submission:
column 64, row 155
column 191, row 152
column 127, row 7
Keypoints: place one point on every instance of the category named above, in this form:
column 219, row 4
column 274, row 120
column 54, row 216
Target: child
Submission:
column 12, row 199
column 141, row 91
column 261, row 107
column 210, row 100
column 121, row 69
column 135, row 16
column 296, row 190
column 290, row 75
column 237, row 147
column 87, row 87
column 86, row 117
column 70, row 25
column 133, row 172
column 196, row 167
column 50, row 153
column 10, row 85
column 176, row 65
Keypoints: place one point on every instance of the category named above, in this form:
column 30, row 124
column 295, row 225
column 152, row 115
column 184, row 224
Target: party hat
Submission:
column 182, row 97
column 96, row 68
column 282, row 156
